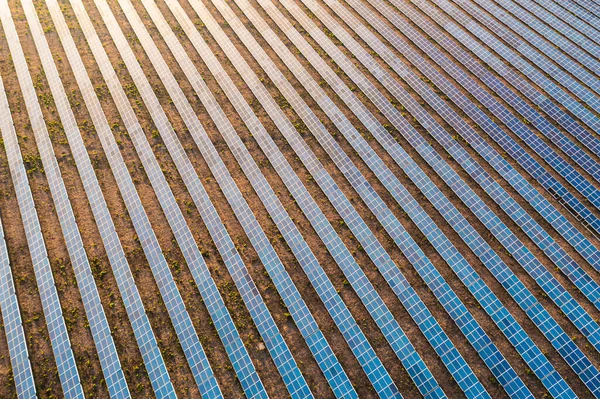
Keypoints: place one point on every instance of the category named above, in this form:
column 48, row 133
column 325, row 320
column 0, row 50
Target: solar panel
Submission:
column 550, row 51
column 588, row 40
column 497, row 86
column 544, row 241
column 551, row 89
column 240, row 275
column 118, row 261
column 570, row 66
column 589, row 6
column 331, row 51
column 577, row 10
column 373, row 248
column 337, row 248
column 544, row 208
column 431, row 83
column 57, row 329
column 574, row 237
column 171, row 296
column 489, row 79
column 454, row 218
column 375, row 203
column 340, row 313
column 105, row 346
column 527, row 30
column 9, row 308
column 264, row 249
column 516, row 151
column 566, row 75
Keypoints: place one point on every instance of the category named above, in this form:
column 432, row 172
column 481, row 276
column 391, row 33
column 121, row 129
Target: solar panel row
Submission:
column 431, row 276
column 369, row 156
column 555, row 55
column 129, row 292
column 266, row 326
column 380, row 257
column 113, row 374
column 588, row 5
column 567, row 75
column 354, row 274
column 565, row 120
column 536, row 144
column 221, row 317
column 530, row 114
column 171, row 296
column 542, row 239
column 544, row 208
column 316, row 336
column 531, row 25
column 481, row 210
column 554, row 91
column 517, row 152
column 95, row 314
column 204, row 281
column 159, row 117
column 527, row 32
column 587, row 39
column 363, row 36
column 466, row 231
column 577, row 10
column 9, row 308
column 340, row 313
column 59, row 339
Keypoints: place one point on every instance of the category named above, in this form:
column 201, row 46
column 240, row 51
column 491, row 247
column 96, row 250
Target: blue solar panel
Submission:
column 322, row 226
column 557, row 54
column 105, row 346
column 9, row 308
column 589, row 5
column 551, row 52
column 551, row 89
column 392, row 225
column 496, row 85
column 560, row 223
column 317, row 337
column 528, row 162
column 542, row 239
column 336, row 55
column 565, row 75
column 572, row 150
column 116, row 255
column 338, row 310
column 526, row 72
column 57, row 329
column 249, row 292
column 576, row 9
column 583, row 34
column 171, row 296
column 389, row 270
column 435, row 196
column 579, row 242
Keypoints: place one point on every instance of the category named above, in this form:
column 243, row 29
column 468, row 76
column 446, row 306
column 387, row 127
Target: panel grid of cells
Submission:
column 300, row 198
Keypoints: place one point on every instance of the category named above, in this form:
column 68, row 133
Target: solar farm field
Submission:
column 300, row 198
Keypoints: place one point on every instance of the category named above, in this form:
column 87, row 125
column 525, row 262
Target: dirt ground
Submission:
column 44, row 368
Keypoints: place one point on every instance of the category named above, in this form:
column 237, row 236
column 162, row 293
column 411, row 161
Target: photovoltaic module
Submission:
column 300, row 198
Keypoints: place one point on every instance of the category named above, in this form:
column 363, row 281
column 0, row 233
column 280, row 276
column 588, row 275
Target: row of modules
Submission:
column 535, row 94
